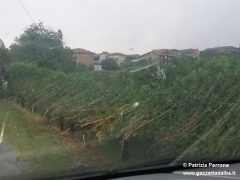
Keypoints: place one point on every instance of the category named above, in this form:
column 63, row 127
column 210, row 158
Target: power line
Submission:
column 25, row 9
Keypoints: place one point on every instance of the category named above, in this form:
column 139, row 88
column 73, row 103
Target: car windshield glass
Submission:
column 96, row 85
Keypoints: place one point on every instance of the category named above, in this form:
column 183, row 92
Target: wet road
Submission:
column 10, row 163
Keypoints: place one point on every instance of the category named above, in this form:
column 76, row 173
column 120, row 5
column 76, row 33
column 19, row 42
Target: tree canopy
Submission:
column 109, row 64
column 44, row 47
column 4, row 59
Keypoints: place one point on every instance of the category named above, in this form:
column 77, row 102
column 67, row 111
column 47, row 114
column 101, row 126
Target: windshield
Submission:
column 89, row 85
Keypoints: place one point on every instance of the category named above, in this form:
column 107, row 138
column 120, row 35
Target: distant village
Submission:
column 159, row 55
column 95, row 60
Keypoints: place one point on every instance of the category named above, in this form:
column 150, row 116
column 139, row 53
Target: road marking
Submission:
column 3, row 127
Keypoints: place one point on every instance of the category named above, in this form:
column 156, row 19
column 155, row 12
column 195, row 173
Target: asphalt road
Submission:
column 10, row 163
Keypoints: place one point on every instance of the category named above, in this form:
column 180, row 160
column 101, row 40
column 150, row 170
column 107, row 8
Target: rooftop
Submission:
column 117, row 54
column 80, row 50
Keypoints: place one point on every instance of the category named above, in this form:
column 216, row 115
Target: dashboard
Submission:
column 206, row 173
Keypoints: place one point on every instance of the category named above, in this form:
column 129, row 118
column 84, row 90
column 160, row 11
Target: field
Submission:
column 131, row 117
column 62, row 115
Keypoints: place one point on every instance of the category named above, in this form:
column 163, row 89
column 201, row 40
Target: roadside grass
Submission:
column 44, row 149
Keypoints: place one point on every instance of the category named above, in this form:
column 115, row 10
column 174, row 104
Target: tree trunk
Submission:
column 72, row 129
column 125, row 151
column 61, row 123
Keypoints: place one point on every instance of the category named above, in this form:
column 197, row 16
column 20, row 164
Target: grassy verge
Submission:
column 45, row 150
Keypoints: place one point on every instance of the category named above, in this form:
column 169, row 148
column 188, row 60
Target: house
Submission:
column 194, row 53
column 84, row 57
column 146, row 56
column 103, row 56
column 166, row 55
column 133, row 56
column 97, row 67
column 88, row 58
column 119, row 58
column 224, row 50
column 158, row 55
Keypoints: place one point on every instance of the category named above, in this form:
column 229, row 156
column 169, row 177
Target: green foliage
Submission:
column 208, row 53
column 146, row 117
column 2, row 72
column 44, row 47
column 4, row 56
column 109, row 64
column 81, row 68
column 4, row 60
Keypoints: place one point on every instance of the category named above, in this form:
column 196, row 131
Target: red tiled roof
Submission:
column 80, row 50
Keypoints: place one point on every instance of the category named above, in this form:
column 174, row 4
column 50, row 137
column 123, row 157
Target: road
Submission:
column 10, row 163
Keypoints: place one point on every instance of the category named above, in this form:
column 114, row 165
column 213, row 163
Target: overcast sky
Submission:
column 128, row 26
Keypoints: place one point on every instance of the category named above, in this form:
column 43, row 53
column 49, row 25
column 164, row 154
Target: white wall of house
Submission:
column 97, row 67
column 118, row 58
column 102, row 57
